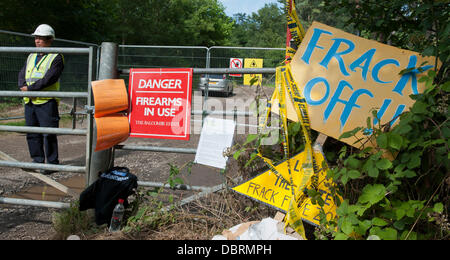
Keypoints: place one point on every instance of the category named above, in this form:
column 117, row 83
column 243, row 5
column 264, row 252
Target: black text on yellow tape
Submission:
column 274, row 191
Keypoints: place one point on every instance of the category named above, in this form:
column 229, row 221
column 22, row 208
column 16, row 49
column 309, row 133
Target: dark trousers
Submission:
column 42, row 146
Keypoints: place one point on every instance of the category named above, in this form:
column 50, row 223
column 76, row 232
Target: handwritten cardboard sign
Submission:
column 273, row 190
column 344, row 77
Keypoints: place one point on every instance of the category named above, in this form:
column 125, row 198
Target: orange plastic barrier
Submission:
column 110, row 97
column 111, row 130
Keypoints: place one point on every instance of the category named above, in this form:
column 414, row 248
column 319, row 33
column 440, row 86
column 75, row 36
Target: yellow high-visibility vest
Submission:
column 36, row 71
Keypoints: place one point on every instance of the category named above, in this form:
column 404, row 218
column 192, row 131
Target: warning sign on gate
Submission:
column 160, row 103
column 236, row 63
column 252, row 63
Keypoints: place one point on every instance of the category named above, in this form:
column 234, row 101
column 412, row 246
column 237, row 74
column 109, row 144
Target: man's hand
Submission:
column 24, row 88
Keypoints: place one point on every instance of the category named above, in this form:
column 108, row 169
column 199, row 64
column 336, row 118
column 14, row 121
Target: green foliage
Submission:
column 72, row 221
column 315, row 10
column 205, row 22
column 396, row 185
column 265, row 28
column 147, row 212
column 405, row 197
column 150, row 22
column 418, row 25
column 7, row 102
column 174, row 171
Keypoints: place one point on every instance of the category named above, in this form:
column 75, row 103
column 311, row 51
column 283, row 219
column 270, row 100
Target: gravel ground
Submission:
column 35, row 223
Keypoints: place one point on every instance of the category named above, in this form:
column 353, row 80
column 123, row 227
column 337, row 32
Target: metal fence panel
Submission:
column 219, row 57
column 75, row 73
column 130, row 56
column 88, row 73
column 140, row 56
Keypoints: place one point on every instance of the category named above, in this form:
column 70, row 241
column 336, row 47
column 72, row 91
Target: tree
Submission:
column 315, row 10
column 408, row 197
column 418, row 25
column 265, row 28
column 150, row 22
column 71, row 19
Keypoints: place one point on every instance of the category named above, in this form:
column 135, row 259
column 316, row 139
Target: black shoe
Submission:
column 28, row 170
column 46, row 172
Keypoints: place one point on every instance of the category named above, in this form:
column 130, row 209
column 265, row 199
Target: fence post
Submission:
column 102, row 160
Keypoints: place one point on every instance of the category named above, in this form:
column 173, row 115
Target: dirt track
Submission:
column 26, row 222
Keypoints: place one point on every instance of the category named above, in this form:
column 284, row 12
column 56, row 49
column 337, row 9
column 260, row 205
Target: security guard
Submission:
column 42, row 72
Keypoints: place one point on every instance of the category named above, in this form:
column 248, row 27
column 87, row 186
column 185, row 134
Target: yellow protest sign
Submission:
column 252, row 63
column 276, row 191
column 344, row 77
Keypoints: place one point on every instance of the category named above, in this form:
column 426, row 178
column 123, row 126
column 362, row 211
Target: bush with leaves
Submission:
column 404, row 198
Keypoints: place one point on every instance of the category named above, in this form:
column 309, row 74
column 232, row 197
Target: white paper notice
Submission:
column 216, row 136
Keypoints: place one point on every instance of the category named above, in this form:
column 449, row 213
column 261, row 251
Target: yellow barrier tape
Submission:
column 263, row 121
column 284, row 185
column 293, row 215
column 283, row 114
column 290, row 52
column 270, row 189
column 263, row 124
column 302, row 113
column 308, row 178
column 295, row 28
column 286, row 88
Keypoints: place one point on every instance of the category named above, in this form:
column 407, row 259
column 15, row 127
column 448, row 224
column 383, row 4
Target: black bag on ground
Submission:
column 103, row 195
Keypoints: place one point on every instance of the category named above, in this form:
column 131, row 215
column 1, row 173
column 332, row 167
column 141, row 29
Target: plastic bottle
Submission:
column 117, row 216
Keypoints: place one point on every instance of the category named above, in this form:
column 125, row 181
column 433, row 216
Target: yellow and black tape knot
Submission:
column 301, row 100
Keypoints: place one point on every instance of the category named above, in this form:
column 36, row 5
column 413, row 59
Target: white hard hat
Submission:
column 44, row 30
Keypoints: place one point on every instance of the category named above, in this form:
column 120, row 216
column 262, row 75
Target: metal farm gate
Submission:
column 115, row 62
column 9, row 162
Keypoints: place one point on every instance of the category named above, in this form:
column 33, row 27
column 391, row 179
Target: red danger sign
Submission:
column 160, row 103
